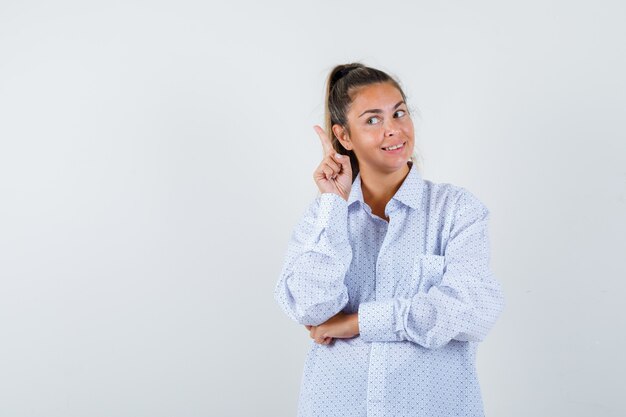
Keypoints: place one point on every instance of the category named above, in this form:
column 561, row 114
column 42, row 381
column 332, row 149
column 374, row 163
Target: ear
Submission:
column 343, row 136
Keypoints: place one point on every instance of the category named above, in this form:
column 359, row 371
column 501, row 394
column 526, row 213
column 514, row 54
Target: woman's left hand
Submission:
column 341, row 325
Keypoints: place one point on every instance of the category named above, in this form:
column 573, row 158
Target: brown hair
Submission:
column 342, row 83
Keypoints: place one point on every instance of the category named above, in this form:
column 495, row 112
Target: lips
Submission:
column 394, row 147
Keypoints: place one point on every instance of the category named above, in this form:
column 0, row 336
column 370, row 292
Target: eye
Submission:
column 400, row 113
column 373, row 120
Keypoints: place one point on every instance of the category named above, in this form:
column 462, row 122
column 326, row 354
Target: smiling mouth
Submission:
column 393, row 148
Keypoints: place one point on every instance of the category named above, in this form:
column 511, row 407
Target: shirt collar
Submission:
column 408, row 194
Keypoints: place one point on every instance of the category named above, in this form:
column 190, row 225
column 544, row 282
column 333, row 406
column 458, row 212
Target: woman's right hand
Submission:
column 334, row 173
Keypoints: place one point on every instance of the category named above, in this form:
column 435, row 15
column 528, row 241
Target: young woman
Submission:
column 388, row 271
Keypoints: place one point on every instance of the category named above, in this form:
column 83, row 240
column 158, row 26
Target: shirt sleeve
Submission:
column 465, row 303
column 311, row 286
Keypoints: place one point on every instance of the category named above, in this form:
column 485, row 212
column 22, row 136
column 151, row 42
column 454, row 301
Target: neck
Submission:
column 378, row 187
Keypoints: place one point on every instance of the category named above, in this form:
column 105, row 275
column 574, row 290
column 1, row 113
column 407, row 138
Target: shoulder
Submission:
column 453, row 199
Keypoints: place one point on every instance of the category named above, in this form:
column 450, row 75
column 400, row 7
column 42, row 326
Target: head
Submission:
column 366, row 110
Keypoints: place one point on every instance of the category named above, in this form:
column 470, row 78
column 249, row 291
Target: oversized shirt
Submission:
column 423, row 289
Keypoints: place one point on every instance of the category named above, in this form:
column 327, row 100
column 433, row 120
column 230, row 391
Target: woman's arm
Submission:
column 311, row 286
column 463, row 306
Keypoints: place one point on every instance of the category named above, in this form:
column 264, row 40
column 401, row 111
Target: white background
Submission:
column 155, row 155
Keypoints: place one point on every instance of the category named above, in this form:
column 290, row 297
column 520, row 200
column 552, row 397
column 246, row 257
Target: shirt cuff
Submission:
column 332, row 211
column 377, row 322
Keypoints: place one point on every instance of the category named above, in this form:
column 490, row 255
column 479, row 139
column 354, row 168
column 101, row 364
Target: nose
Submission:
column 391, row 127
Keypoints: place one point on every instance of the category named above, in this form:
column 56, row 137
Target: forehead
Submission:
column 375, row 96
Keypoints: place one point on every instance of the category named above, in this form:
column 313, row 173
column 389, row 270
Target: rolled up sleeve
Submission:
column 464, row 304
column 311, row 287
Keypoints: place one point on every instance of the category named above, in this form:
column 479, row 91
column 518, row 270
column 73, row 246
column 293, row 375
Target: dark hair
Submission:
column 343, row 81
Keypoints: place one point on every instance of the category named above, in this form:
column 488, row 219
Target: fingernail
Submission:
column 338, row 155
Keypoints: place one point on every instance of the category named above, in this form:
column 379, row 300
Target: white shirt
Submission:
column 423, row 290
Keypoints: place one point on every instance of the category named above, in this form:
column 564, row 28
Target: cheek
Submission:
column 408, row 129
column 366, row 138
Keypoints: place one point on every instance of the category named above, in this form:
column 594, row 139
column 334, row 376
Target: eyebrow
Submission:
column 379, row 110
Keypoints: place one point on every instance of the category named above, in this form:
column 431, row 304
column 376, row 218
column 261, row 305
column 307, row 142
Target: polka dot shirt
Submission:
column 423, row 290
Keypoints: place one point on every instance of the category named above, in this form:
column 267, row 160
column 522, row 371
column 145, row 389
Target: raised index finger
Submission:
column 326, row 143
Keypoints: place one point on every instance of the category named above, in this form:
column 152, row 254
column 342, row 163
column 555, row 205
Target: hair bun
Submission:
column 343, row 70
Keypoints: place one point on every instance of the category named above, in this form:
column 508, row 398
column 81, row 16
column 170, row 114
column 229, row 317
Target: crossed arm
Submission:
column 463, row 306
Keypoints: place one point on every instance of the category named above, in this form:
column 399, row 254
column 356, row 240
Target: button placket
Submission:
column 378, row 353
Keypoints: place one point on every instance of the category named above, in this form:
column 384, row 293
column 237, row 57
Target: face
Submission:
column 377, row 119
